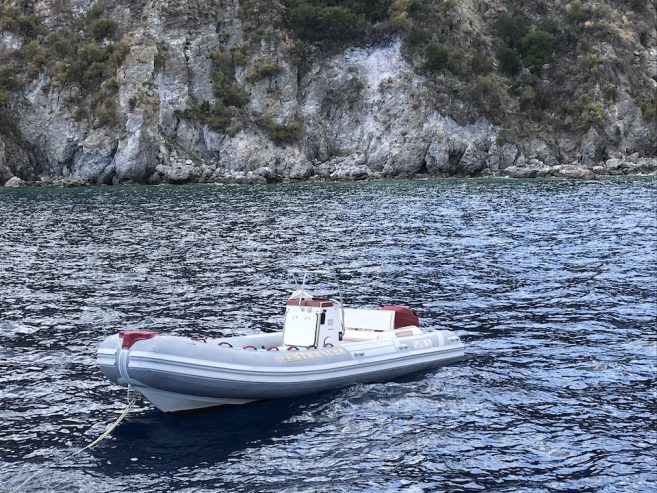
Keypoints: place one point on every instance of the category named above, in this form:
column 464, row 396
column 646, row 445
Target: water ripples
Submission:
column 550, row 284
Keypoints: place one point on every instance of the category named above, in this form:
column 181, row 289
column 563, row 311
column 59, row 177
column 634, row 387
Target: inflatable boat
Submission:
column 323, row 345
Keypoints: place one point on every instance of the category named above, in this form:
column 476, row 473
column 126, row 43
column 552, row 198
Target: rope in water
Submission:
column 131, row 402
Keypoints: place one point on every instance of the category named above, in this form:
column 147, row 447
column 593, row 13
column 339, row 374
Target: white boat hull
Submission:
column 180, row 374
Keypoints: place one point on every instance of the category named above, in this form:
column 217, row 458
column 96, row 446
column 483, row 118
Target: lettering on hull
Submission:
column 423, row 344
column 309, row 355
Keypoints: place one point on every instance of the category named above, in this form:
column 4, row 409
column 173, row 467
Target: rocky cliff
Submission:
column 153, row 91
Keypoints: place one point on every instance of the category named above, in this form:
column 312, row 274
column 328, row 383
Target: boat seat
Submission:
column 351, row 335
column 408, row 330
column 369, row 320
column 317, row 302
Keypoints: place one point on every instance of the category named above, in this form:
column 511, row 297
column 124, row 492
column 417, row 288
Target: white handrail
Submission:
column 332, row 273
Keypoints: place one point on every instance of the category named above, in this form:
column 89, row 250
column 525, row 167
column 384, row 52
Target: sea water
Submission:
column 550, row 284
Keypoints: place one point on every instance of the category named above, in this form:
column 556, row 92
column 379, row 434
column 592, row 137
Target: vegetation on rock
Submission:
column 263, row 71
column 528, row 66
column 437, row 55
column 83, row 56
column 279, row 132
column 335, row 21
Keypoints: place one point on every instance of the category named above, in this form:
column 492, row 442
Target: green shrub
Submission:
column 649, row 108
column 93, row 65
column 8, row 80
column 550, row 25
column 511, row 28
column 80, row 113
column 227, row 92
column 437, row 56
column 8, row 10
column 4, row 97
column 219, row 56
column 638, row 6
column 103, row 29
column 486, row 94
column 62, row 72
column 263, row 71
column 459, row 66
column 279, row 132
column 95, row 73
column 217, row 117
column 231, row 95
column 107, row 115
column 95, row 12
column 60, row 46
column 574, row 11
column 9, row 24
column 592, row 112
column 37, row 55
column 312, row 23
column 92, row 53
column 417, row 36
column 610, row 90
column 480, row 64
column 111, row 85
column 372, row 10
column 285, row 133
column 591, row 64
column 400, row 16
column 527, row 96
column 241, row 54
column 303, row 18
column 32, row 70
column 401, row 23
column 509, row 60
column 29, row 25
column 119, row 51
column 8, row 16
column 536, row 47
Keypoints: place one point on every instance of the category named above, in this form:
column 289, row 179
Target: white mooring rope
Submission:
column 131, row 402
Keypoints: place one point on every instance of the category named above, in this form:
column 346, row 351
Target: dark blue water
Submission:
column 550, row 284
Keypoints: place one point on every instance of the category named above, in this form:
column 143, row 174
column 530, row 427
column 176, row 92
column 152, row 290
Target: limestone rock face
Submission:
column 437, row 158
column 175, row 174
column 592, row 149
column 15, row 159
column 94, row 162
column 508, row 155
column 472, row 161
column 349, row 114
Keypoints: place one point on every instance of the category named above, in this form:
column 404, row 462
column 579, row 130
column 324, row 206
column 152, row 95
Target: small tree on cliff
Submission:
column 537, row 47
column 437, row 56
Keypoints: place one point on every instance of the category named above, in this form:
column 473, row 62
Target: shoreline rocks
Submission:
column 355, row 170
column 15, row 182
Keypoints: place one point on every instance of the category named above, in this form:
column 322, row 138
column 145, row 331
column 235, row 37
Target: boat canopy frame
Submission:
column 300, row 277
column 300, row 282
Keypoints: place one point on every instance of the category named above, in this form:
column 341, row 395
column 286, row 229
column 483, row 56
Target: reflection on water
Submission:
column 550, row 284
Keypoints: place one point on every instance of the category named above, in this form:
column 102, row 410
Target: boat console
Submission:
column 312, row 323
column 317, row 322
